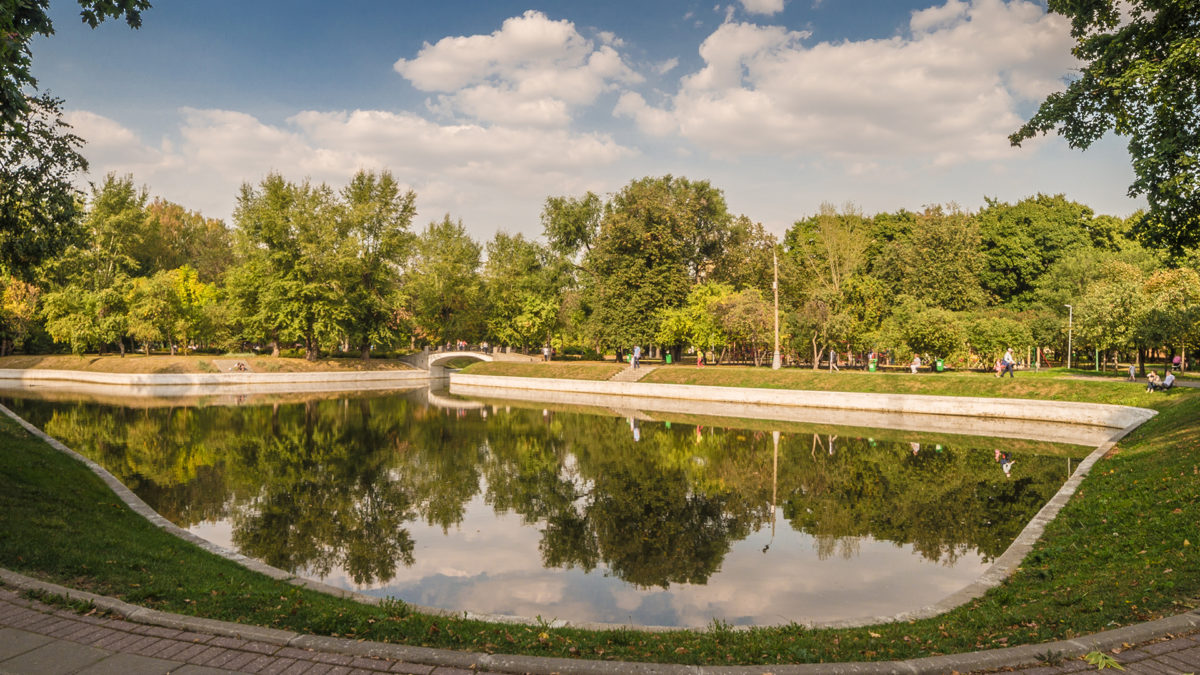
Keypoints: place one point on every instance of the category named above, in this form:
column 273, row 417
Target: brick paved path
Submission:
column 1172, row 656
column 39, row 639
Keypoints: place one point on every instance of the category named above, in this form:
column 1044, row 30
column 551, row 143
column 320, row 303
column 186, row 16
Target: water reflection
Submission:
column 584, row 517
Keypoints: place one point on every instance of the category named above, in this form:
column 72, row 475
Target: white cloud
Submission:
column 530, row 71
column 947, row 91
column 667, row 66
column 763, row 6
column 489, row 176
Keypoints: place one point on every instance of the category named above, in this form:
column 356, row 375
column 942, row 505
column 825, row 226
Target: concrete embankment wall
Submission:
column 961, row 408
column 183, row 384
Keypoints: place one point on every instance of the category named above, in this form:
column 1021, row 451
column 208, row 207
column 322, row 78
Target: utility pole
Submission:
column 775, row 361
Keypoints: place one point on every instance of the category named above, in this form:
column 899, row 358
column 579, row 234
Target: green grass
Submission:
column 1123, row 550
column 565, row 370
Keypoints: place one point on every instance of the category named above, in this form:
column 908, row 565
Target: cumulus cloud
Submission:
column 469, row 170
column 948, row 90
column 530, row 71
column 763, row 6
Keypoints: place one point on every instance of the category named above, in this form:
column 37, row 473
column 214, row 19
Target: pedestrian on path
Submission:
column 637, row 355
column 1009, row 362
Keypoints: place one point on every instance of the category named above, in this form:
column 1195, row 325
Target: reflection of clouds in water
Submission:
column 501, row 573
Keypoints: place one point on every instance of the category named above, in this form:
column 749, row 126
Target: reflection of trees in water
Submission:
column 944, row 501
column 333, row 483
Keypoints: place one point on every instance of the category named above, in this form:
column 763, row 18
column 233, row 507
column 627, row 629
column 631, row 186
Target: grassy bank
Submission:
column 1123, row 550
column 191, row 363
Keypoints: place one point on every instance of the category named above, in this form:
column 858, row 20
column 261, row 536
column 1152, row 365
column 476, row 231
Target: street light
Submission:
column 1070, row 324
column 775, row 363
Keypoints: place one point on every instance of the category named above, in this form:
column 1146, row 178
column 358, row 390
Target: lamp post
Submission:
column 1070, row 325
column 775, row 362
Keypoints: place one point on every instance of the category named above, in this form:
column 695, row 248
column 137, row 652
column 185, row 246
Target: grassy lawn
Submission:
column 191, row 363
column 1124, row 550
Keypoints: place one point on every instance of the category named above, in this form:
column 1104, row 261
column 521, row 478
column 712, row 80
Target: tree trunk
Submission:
column 311, row 351
column 816, row 355
column 275, row 348
column 366, row 350
column 121, row 346
column 146, row 347
column 1141, row 357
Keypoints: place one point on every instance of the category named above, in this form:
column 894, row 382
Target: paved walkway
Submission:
column 40, row 639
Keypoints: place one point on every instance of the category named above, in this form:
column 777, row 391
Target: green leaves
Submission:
column 1138, row 81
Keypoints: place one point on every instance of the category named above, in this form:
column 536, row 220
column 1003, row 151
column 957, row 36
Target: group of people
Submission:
column 1155, row 383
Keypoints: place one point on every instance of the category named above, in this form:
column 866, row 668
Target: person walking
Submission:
column 637, row 355
column 1009, row 362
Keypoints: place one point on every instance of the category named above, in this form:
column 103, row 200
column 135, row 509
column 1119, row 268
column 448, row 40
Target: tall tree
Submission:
column 378, row 214
column 659, row 237
column 38, row 200
column 20, row 21
column 524, row 282
column 1020, row 241
column 292, row 281
column 1139, row 79
column 443, row 285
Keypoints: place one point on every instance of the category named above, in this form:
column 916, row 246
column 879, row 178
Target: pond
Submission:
column 581, row 515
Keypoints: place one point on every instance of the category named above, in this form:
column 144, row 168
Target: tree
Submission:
column 378, row 216
column 18, row 309
column 1112, row 311
column 172, row 236
column 38, row 201
column 828, row 250
column 1139, row 80
column 1021, row 241
column 87, row 308
column 442, row 283
column 523, row 281
column 695, row 323
column 19, row 22
column 292, row 278
column 658, row 238
column 938, row 259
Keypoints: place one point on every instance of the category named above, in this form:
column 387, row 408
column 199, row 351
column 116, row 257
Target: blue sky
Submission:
column 487, row 107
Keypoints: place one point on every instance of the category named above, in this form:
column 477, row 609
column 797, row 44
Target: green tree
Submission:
column 39, row 203
column 1112, row 312
column 1021, row 241
column 939, row 259
column 828, row 250
column 443, row 286
column 292, row 278
column 172, row 236
column 523, row 282
column 378, row 216
column 1140, row 59
column 20, row 21
column 658, row 238
column 86, row 307
column 695, row 323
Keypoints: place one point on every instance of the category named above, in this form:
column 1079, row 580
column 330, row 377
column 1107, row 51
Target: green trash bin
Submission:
column 940, row 365
column 668, row 359
column 871, row 366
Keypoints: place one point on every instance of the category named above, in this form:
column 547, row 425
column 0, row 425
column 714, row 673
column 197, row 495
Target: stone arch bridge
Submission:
column 435, row 362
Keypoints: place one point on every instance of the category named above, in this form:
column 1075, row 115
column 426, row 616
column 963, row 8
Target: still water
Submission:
column 572, row 514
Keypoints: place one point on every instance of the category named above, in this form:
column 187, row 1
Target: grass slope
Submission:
column 1123, row 550
column 192, row 363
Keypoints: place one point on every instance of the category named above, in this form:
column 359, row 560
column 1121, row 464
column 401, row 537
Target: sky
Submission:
column 485, row 108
